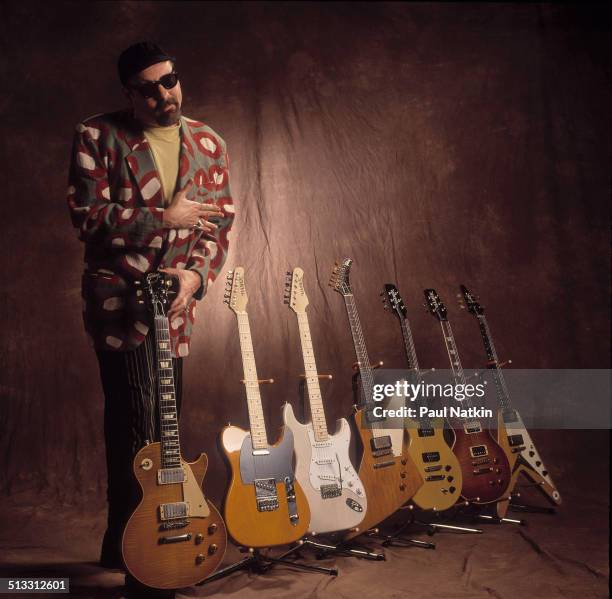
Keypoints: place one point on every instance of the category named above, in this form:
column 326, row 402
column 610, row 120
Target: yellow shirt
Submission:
column 165, row 144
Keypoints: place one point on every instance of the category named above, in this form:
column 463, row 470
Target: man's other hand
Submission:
column 186, row 214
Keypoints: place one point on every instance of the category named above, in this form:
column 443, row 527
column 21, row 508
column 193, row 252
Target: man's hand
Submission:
column 189, row 283
column 185, row 214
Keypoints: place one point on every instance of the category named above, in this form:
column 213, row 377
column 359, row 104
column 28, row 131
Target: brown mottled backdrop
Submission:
column 433, row 143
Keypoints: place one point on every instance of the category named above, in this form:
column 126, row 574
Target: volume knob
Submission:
column 213, row 549
column 212, row 529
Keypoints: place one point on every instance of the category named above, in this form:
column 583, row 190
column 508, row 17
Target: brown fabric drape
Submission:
column 435, row 144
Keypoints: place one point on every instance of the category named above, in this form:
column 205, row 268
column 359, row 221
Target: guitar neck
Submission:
column 453, row 353
column 168, row 417
column 493, row 364
column 411, row 356
column 259, row 437
column 317, row 412
column 367, row 378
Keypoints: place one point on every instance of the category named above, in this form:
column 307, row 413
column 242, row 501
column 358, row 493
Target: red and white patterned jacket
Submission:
column 116, row 204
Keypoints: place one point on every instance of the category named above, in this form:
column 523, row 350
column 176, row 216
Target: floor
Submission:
column 559, row 555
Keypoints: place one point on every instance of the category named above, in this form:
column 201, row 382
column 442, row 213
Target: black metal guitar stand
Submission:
column 323, row 549
column 260, row 564
column 528, row 508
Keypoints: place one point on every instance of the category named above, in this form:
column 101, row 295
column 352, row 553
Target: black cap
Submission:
column 138, row 57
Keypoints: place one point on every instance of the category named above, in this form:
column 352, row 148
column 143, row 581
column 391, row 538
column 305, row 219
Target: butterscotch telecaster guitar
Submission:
column 175, row 538
column 485, row 467
column 323, row 468
column 265, row 505
column 387, row 470
column 432, row 455
column 511, row 432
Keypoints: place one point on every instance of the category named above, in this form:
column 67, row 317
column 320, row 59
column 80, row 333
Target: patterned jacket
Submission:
column 116, row 204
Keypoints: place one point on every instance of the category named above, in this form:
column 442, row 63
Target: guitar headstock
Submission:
column 470, row 302
column 235, row 291
column 392, row 300
column 339, row 280
column 435, row 305
column 295, row 296
column 157, row 287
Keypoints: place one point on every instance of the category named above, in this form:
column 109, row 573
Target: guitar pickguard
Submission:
column 519, row 443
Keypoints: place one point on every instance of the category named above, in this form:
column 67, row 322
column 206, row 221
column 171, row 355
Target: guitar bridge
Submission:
column 173, row 525
column 329, row 491
column 265, row 494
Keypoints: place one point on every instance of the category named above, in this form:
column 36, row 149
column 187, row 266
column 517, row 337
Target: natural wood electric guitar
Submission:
column 175, row 538
column 485, row 467
column 511, row 432
column 323, row 467
column 265, row 505
column 387, row 470
column 432, row 455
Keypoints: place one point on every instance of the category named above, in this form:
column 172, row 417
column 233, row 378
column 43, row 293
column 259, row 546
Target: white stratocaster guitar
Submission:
column 512, row 434
column 323, row 468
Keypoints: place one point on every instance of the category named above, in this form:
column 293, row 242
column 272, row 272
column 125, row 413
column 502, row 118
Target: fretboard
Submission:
column 365, row 369
column 259, row 438
column 168, row 417
column 312, row 380
column 500, row 384
column 413, row 365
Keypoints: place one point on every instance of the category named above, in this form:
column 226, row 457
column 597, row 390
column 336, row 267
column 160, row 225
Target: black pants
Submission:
column 130, row 420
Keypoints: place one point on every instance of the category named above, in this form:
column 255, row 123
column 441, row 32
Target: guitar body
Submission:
column 438, row 466
column 485, row 467
column 523, row 457
column 389, row 480
column 195, row 545
column 327, row 463
column 267, row 521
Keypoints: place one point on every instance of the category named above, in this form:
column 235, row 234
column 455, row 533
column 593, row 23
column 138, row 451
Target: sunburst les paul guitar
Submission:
column 265, row 505
column 485, row 467
column 387, row 469
column 432, row 455
column 323, row 468
column 511, row 432
column 175, row 537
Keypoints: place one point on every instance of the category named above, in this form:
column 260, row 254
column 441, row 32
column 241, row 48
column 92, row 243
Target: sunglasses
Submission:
column 149, row 88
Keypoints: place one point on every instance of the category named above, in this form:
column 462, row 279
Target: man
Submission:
column 146, row 185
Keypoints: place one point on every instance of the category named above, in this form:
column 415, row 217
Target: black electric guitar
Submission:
column 485, row 467
column 511, row 432
column 176, row 537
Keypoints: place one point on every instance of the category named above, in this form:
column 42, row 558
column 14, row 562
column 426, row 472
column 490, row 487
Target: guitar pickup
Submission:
column 433, row 477
column 380, row 443
column 170, row 476
column 472, row 427
column 510, row 416
column 518, row 449
column 170, row 511
column 478, row 451
column 425, row 432
column 431, row 456
column 433, row 468
column 515, row 440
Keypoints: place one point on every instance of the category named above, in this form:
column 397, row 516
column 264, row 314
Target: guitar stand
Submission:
column 527, row 508
column 348, row 551
column 260, row 564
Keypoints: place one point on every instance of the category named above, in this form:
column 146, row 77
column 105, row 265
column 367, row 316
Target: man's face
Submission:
column 163, row 108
